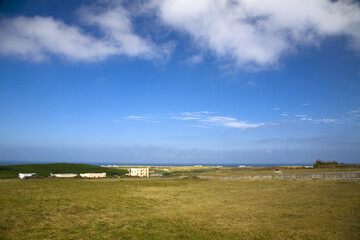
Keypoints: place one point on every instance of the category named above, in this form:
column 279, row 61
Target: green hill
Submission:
column 12, row 171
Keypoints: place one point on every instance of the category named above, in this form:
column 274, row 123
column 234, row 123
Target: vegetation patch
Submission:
column 12, row 171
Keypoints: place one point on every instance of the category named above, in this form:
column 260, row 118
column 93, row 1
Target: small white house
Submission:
column 26, row 175
column 93, row 175
column 139, row 172
column 63, row 175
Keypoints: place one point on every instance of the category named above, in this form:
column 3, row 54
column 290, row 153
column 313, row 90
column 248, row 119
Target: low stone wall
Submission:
column 304, row 176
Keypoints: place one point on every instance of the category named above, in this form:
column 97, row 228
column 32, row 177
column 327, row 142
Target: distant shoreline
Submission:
column 168, row 164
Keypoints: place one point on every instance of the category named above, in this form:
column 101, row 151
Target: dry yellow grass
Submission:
column 235, row 171
column 179, row 209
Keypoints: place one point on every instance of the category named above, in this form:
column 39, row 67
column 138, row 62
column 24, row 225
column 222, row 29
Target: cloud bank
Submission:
column 250, row 34
column 35, row 38
column 256, row 33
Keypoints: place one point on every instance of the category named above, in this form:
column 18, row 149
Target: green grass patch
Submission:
column 12, row 171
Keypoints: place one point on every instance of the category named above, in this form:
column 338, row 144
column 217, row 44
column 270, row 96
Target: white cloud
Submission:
column 196, row 114
column 231, row 122
column 136, row 117
column 249, row 33
column 326, row 120
column 318, row 120
column 275, row 109
column 257, row 33
column 35, row 38
column 184, row 118
column 199, row 126
column 303, row 117
column 148, row 119
column 306, row 119
column 355, row 112
column 115, row 23
column 208, row 118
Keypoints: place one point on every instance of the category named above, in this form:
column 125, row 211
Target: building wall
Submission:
column 25, row 175
column 93, row 175
column 139, row 172
column 64, row 175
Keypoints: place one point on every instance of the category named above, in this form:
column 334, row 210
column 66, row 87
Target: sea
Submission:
column 248, row 164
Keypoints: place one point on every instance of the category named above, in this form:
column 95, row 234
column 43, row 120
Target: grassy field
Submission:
column 236, row 171
column 178, row 209
column 270, row 170
column 12, row 171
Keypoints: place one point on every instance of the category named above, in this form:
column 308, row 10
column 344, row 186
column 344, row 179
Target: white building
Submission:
column 139, row 172
column 64, row 175
column 93, row 175
column 26, row 175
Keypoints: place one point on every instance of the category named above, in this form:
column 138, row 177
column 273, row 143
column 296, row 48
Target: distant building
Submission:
column 109, row 165
column 242, row 166
column 156, row 174
column 64, row 175
column 139, row 172
column 26, row 175
column 93, row 175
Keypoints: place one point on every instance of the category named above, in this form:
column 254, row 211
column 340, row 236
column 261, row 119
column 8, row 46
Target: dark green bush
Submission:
column 319, row 164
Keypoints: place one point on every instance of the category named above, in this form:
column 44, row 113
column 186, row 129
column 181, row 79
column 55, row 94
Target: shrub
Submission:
column 319, row 164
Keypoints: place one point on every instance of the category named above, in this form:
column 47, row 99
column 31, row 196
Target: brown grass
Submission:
column 179, row 209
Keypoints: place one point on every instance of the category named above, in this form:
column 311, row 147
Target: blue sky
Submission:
column 180, row 82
